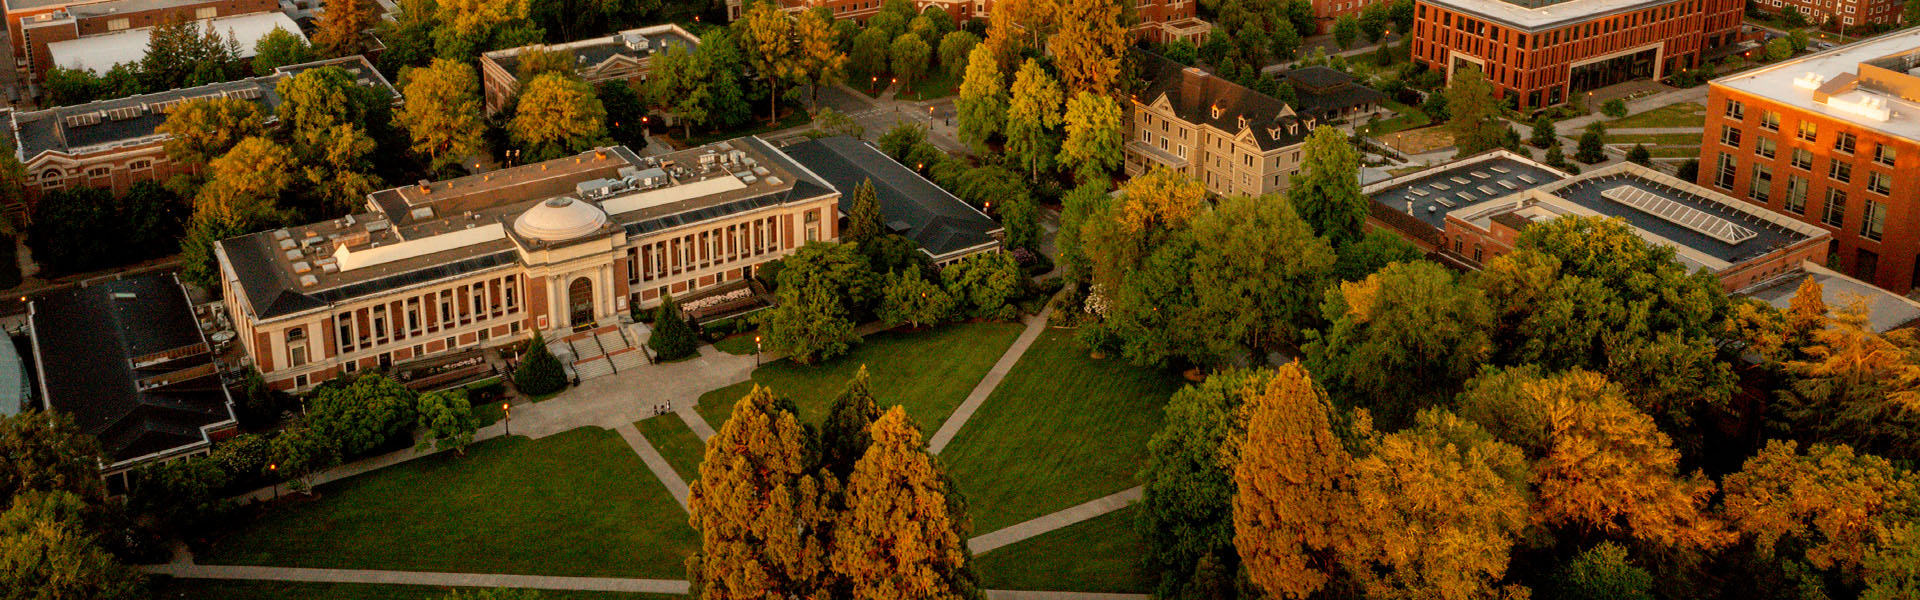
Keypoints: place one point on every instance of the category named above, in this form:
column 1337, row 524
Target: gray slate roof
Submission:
column 1264, row 113
column 935, row 219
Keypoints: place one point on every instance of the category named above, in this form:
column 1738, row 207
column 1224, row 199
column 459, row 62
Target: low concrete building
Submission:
column 946, row 227
column 625, row 55
column 113, row 144
column 127, row 360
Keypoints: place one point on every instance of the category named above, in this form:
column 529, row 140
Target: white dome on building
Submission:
column 559, row 219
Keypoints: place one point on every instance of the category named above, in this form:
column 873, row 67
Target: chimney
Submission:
column 1192, row 82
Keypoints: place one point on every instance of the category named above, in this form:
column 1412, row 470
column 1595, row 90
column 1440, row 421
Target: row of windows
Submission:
column 1843, row 141
column 468, row 303
column 1833, row 210
column 703, row 249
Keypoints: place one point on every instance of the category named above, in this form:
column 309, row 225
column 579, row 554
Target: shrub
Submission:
column 539, row 372
column 1639, row 155
column 672, row 337
column 984, row 285
column 364, row 415
column 1615, row 108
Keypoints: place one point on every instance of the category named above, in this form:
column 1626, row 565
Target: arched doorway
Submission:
column 580, row 302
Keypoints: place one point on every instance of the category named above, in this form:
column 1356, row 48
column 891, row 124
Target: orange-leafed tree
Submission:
column 896, row 538
column 1830, row 502
column 1088, row 44
column 1294, row 507
column 1857, row 386
column 759, row 509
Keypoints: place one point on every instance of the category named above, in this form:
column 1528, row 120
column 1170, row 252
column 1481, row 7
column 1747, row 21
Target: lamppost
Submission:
column 756, row 351
column 275, row 469
column 508, row 409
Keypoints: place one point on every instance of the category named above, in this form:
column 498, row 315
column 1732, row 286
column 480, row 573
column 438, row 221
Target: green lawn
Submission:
column 935, row 84
column 1102, row 554
column 204, row 589
column 1061, row 429
column 1660, row 139
column 1684, row 114
column 756, row 125
column 578, row 503
column 1405, row 117
column 739, row 345
column 674, row 440
column 930, row 372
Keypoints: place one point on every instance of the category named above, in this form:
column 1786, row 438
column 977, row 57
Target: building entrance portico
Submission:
column 580, row 303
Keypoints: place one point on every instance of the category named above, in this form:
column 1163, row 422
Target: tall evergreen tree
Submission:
column 863, row 221
column 759, row 510
column 1326, row 191
column 844, row 437
column 1295, row 498
column 896, row 538
column 539, row 372
column 672, row 338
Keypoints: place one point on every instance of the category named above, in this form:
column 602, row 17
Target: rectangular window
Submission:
column 1802, row 159
column 1796, row 194
column 206, row 13
column 1843, row 142
column 1879, row 183
column 1730, row 136
column 1836, row 213
column 1736, row 110
column 1770, row 121
column 1809, row 131
column 118, row 24
column 1884, row 154
column 1840, row 171
column 1764, row 146
column 1724, row 176
column 1866, row 264
column 1873, row 221
column 1760, row 185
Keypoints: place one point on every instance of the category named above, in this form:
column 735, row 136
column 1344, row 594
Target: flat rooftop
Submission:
column 1429, row 195
column 1549, row 16
column 588, row 53
column 910, row 205
column 1828, row 95
column 1886, row 310
column 133, row 120
column 423, row 232
column 99, row 53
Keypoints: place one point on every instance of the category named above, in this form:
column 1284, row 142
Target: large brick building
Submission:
column 1845, row 13
column 1832, row 139
column 625, row 55
column 33, row 25
column 1546, row 52
column 1231, row 138
column 112, row 144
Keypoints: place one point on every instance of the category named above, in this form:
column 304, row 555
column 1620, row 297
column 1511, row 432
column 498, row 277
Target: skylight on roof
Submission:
column 1679, row 214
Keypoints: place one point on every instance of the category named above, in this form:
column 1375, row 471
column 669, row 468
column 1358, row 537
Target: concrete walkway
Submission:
column 694, row 421
column 985, row 388
column 478, row 580
column 982, row 544
column 655, row 462
column 1696, row 94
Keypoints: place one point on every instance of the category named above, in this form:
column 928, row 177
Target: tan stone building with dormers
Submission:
column 566, row 246
column 1233, row 139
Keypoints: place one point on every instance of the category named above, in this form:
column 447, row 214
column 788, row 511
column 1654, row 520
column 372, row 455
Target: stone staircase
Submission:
column 600, row 352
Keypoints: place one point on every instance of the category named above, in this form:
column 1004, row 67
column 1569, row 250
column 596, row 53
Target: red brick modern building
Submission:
column 32, row 25
column 1831, row 139
column 1846, row 13
column 1548, row 52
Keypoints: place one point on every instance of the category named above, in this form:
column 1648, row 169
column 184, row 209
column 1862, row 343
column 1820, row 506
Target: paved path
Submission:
column 542, row 582
column 655, row 462
column 1696, row 94
column 980, row 392
column 982, row 544
column 694, row 421
column 1654, row 130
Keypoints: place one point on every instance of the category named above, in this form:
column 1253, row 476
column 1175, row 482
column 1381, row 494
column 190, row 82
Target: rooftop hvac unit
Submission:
column 637, row 42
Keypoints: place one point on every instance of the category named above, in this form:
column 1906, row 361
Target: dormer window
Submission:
column 1293, row 128
column 1273, row 132
column 1243, row 121
column 1216, row 111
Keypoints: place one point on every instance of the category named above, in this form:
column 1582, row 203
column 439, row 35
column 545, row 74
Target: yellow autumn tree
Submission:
column 1088, row 44
column 1608, row 469
column 758, row 508
column 896, row 538
column 1857, row 386
column 766, row 35
column 1443, row 503
column 558, row 115
column 1294, row 509
column 244, row 185
column 1150, row 209
column 1015, row 25
column 816, row 59
column 1831, row 502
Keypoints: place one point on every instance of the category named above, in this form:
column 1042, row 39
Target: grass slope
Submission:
column 1684, row 114
column 1102, row 554
column 930, row 372
column 578, row 503
column 1060, row 430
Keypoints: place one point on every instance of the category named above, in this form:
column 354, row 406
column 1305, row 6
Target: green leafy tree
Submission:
column 539, row 372
column 1473, row 112
column 912, row 300
column 46, row 553
column 203, row 129
column 279, row 48
column 832, row 122
column 759, row 508
column 1372, row 252
column 672, row 337
column 1374, row 20
column 45, row 451
column 766, row 39
column 68, row 225
column 298, row 452
column 909, row 54
column 1592, row 144
column 1345, row 30
column 1420, row 334
column 68, row 87
column 1640, row 156
column 863, row 220
column 557, row 116
column 809, row 324
column 1615, row 108
column 442, row 114
column 955, row 49
column 1186, row 509
column 1602, row 572
column 448, row 419
column 363, row 415
column 1779, row 49
column 872, row 50
column 982, row 104
column 409, row 36
column 626, row 112
column 1326, row 191
column 843, row 436
column 984, row 285
column 1543, row 134
column 1079, row 205
column 1033, row 112
column 1257, row 275
column 1021, row 219
column 1094, row 136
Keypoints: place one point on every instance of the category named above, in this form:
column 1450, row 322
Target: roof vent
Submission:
column 636, row 42
column 309, row 281
column 1810, row 81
